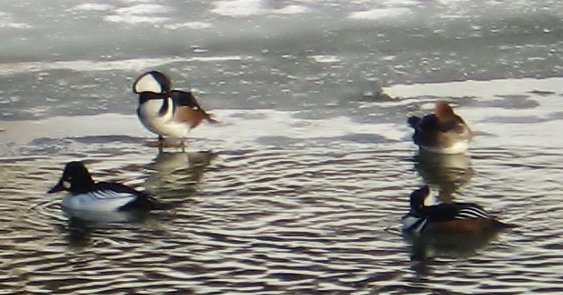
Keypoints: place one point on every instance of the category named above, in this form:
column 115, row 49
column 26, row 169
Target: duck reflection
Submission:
column 176, row 174
column 448, row 172
column 82, row 224
column 448, row 245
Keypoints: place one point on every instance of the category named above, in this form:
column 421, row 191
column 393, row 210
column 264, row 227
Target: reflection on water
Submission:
column 176, row 174
column 82, row 225
column 447, row 172
column 432, row 245
column 83, row 229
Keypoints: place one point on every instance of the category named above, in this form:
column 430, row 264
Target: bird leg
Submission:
column 162, row 143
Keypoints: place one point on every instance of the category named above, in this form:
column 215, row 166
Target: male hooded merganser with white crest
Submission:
column 85, row 194
column 164, row 111
column 441, row 132
column 425, row 217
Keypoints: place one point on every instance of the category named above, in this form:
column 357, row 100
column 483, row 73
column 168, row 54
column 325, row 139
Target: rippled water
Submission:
column 301, row 186
column 296, row 213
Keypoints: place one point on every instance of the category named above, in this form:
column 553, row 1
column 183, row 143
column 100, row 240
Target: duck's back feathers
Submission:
column 117, row 188
column 185, row 98
column 139, row 200
column 432, row 123
column 189, row 109
column 451, row 211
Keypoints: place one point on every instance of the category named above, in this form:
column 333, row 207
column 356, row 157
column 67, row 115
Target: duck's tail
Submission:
column 503, row 225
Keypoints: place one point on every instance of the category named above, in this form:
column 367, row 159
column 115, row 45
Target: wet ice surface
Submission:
column 301, row 187
column 289, row 55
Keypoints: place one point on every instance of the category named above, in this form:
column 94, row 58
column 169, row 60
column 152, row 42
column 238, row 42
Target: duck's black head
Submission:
column 418, row 198
column 75, row 179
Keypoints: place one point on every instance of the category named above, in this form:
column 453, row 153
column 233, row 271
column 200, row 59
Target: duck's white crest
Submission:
column 147, row 83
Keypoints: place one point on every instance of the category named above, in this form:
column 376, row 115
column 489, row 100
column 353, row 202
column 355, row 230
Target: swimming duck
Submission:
column 85, row 194
column 167, row 112
column 425, row 216
column 442, row 131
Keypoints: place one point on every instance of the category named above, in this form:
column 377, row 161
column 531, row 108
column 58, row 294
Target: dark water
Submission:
column 301, row 187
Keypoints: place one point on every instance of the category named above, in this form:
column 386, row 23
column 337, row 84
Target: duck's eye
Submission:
column 66, row 184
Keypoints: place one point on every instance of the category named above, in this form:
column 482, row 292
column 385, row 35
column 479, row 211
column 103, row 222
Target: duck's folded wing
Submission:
column 469, row 210
column 119, row 189
column 431, row 123
column 187, row 99
column 184, row 98
column 446, row 212
column 121, row 197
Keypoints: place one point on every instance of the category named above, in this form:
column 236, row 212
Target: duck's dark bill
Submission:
column 57, row 188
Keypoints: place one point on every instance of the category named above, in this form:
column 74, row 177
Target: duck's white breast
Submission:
column 459, row 147
column 94, row 217
column 97, row 201
column 411, row 223
column 161, row 124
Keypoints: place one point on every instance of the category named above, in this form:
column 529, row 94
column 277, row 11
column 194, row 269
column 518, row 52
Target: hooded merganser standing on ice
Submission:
column 164, row 111
column 85, row 194
column 442, row 131
column 446, row 217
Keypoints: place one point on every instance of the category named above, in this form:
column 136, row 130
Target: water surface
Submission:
column 301, row 187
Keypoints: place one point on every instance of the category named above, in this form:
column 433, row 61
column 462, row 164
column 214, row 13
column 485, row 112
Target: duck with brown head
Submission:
column 441, row 132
